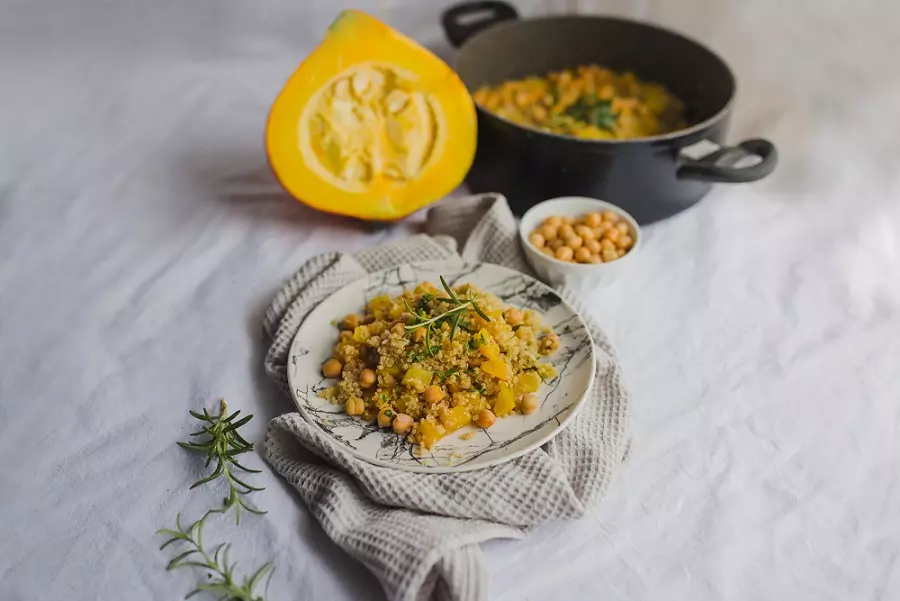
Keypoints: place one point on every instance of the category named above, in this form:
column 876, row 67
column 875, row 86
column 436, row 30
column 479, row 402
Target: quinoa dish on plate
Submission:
column 435, row 359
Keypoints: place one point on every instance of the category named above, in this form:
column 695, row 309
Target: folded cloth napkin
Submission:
column 419, row 533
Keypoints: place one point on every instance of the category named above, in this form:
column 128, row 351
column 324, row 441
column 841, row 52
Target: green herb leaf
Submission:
column 222, row 444
column 219, row 572
column 594, row 111
column 446, row 374
column 449, row 290
column 480, row 312
column 454, row 326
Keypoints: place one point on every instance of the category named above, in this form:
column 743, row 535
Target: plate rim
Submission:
column 541, row 441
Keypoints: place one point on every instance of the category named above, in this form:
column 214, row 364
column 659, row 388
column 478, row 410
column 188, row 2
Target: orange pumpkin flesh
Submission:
column 371, row 125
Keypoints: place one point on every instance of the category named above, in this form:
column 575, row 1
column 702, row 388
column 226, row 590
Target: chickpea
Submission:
column 610, row 216
column 612, row 234
column 564, row 253
column 623, row 227
column 345, row 335
column 624, row 242
column 593, row 246
column 593, row 219
column 513, row 316
column 350, row 322
column 567, row 220
column 555, row 243
column 609, row 255
column 355, row 406
column 433, row 393
column 485, row 418
column 566, row 231
column 607, row 244
column 548, row 232
column 603, row 228
column 332, row 368
column 582, row 255
column 596, row 259
column 529, row 404
column 585, row 232
column 550, row 342
column 366, row 378
column 574, row 242
column 418, row 335
column 536, row 239
column 402, row 423
column 553, row 221
column 385, row 416
column 548, row 251
column 621, row 252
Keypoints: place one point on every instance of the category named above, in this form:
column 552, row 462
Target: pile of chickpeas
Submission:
column 598, row 237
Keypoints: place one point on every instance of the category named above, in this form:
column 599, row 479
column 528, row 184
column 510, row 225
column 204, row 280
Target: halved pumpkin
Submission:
column 371, row 125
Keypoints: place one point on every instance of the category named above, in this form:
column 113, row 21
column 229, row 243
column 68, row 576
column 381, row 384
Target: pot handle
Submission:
column 707, row 161
column 468, row 18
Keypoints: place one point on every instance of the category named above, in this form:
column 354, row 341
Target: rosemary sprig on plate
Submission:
column 453, row 316
column 220, row 573
column 223, row 444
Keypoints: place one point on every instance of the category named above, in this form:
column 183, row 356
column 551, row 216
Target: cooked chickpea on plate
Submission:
column 433, row 360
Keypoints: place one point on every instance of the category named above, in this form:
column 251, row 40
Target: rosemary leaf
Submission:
column 449, row 290
column 219, row 571
column 222, row 443
column 479, row 311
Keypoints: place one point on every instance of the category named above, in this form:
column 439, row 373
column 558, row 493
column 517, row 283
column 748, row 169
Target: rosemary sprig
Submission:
column 453, row 316
column 220, row 573
column 224, row 444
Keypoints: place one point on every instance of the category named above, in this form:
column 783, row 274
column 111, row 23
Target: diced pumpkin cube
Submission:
column 497, row 368
column 361, row 334
column 527, row 382
column 455, row 418
column 429, row 433
column 505, row 401
column 417, row 377
column 487, row 346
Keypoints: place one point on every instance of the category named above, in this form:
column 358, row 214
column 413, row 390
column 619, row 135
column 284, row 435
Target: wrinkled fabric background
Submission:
column 141, row 237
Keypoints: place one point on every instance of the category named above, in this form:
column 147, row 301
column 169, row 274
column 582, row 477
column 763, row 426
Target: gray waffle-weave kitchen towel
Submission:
column 419, row 533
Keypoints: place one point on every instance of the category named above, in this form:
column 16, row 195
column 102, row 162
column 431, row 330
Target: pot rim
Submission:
column 667, row 137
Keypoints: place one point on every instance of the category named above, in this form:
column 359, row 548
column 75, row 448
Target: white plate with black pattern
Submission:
column 509, row 437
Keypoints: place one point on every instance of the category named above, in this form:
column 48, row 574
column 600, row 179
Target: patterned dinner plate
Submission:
column 509, row 437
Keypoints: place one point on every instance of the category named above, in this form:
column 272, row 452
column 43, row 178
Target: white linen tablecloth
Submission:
column 141, row 236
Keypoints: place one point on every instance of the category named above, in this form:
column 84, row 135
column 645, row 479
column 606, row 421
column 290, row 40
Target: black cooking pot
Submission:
column 652, row 178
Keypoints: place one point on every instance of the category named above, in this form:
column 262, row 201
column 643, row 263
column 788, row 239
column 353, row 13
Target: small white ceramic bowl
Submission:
column 556, row 272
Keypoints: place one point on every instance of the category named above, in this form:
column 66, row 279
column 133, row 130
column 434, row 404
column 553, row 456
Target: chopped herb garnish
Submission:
column 594, row 111
column 446, row 374
column 476, row 341
column 452, row 316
